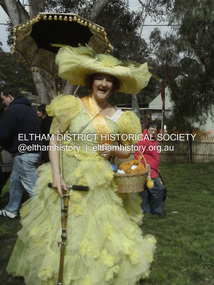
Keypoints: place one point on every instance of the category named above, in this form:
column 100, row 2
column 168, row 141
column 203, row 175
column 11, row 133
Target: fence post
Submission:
column 190, row 149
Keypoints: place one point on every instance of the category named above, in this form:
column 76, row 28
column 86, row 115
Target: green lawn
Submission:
column 185, row 237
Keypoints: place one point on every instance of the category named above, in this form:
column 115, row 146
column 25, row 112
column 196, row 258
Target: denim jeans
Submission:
column 23, row 177
column 152, row 198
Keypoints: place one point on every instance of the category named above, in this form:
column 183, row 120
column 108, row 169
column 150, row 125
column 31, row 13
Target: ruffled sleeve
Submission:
column 63, row 109
column 129, row 128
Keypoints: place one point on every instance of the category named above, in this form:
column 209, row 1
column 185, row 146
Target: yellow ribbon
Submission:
column 97, row 118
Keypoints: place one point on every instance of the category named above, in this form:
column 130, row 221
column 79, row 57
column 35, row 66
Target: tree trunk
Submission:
column 36, row 6
column 46, row 89
column 13, row 11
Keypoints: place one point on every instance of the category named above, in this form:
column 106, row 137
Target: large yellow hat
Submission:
column 76, row 63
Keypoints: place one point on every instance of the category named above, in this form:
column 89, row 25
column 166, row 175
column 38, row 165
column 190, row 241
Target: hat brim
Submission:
column 74, row 67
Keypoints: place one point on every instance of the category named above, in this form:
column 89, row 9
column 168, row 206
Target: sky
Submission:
column 3, row 32
column 134, row 5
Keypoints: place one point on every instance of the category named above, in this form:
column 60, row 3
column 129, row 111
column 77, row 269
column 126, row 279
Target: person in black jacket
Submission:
column 20, row 133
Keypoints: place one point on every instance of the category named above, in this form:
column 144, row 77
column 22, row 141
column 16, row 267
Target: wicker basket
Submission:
column 132, row 182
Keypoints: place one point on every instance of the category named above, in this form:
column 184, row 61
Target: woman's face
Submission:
column 152, row 131
column 39, row 113
column 102, row 86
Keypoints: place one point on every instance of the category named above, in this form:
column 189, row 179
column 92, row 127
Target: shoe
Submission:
column 160, row 214
column 8, row 214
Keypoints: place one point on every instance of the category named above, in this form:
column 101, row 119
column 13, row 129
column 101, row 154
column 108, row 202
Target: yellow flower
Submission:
column 108, row 233
column 93, row 252
column 134, row 257
column 85, row 50
column 128, row 247
column 107, row 258
column 111, row 272
column 149, row 183
column 150, row 238
column 107, row 60
column 45, row 273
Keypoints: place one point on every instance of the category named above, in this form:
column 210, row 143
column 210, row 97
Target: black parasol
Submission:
column 39, row 39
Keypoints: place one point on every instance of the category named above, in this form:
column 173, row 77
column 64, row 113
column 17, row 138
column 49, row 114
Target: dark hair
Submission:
column 89, row 79
column 11, row 90
column 151, row 124
column 42, row 108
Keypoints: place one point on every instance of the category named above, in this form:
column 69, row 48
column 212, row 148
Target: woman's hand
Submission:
column 59, row 184
column 106, row 150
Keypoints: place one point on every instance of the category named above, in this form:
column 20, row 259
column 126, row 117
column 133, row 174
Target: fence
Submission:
column 198, row 149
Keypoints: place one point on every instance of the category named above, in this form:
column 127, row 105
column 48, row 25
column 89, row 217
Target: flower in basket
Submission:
column 132, row 166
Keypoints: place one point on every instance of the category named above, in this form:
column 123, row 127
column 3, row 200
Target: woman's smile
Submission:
column 102, row 87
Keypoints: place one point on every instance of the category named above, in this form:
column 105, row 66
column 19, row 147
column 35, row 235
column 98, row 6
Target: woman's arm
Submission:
column 110, row 149
column 54, row 155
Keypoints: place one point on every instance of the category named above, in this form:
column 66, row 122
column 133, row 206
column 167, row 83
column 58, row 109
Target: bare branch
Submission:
column 98, row 7
column 15, row 11
column 148, row 9
column 86, row 4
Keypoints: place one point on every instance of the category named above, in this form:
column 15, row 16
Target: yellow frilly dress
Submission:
column 104, row 243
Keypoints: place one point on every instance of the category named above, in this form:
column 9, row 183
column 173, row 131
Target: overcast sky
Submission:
column 134, row 5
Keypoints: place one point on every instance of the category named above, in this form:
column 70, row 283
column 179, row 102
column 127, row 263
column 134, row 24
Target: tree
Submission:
column 121, row 26
column 190, row 58
column 195, row 41
column 12, row 72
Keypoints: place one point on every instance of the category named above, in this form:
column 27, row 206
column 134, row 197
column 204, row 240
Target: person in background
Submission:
column 19, row 134
column 45, row 129
column 152, row 197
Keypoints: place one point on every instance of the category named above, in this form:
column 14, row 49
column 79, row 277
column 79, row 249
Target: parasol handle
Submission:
column 73, row 187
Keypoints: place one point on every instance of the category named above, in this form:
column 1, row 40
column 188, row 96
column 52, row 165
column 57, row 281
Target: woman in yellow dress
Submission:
column 104, row 243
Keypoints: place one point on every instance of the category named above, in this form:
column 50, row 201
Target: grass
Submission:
column 185, row 237
column 185, row 244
